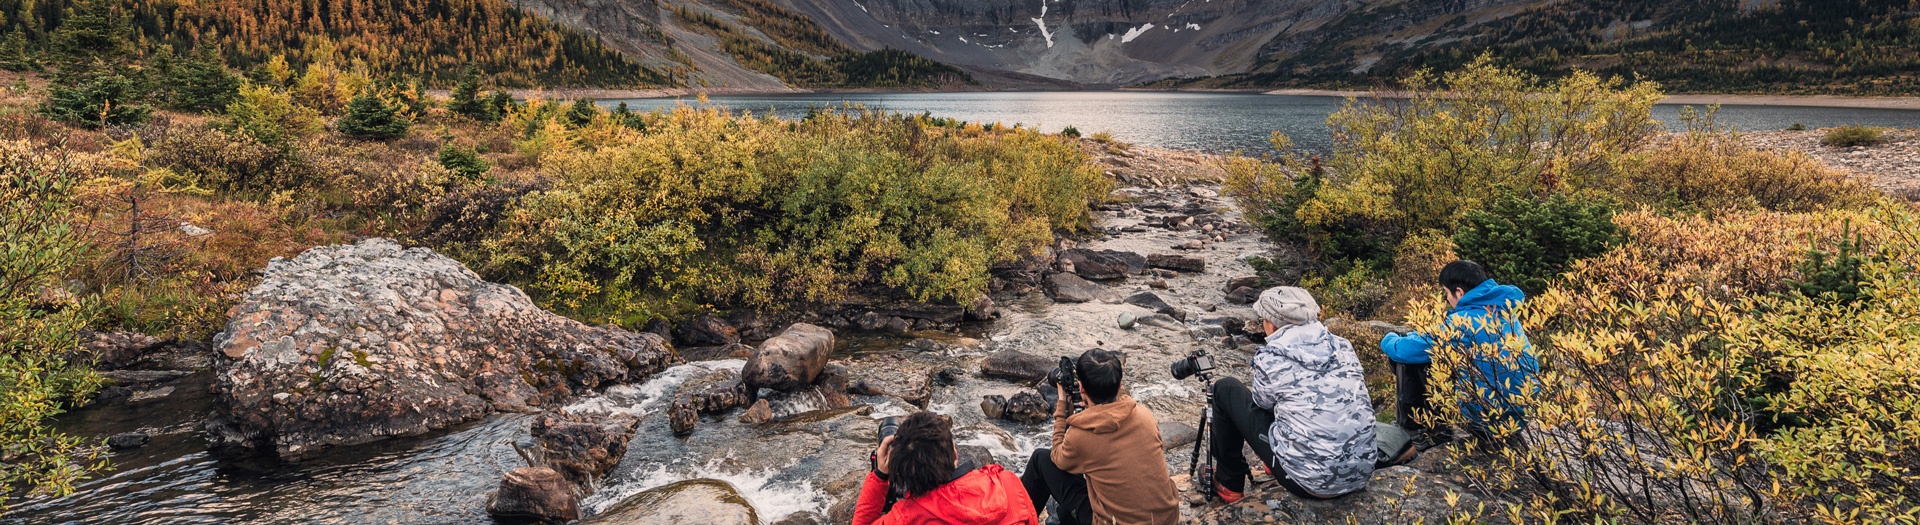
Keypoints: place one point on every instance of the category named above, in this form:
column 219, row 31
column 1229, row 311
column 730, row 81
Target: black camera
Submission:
column 1062, row 375
column 1197, row 362
column 888, row 426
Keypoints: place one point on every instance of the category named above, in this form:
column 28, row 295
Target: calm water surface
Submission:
column 1215, row 122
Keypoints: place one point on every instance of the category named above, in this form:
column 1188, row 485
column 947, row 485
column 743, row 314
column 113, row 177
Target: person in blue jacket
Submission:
column 1481, row 327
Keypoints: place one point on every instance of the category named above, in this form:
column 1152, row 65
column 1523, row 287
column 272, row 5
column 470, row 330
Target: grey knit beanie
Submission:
column 1287, row 306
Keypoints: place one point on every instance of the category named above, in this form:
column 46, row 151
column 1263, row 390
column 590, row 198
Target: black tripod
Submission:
column 1203, row 447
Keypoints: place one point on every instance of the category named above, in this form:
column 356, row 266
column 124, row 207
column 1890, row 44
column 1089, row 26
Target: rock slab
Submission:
column 534, row 493
column 351, row 344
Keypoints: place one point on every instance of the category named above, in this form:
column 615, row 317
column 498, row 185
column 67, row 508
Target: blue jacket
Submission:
column 1482, row 323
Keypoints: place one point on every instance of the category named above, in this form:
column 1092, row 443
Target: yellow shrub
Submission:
column 1729, row 254
column 1710, row 168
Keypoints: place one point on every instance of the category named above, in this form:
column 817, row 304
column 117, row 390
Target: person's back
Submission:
column 1323, row 425
column 1481, row 325
column 1117, row 446
column 920, row 459
column 985, row 496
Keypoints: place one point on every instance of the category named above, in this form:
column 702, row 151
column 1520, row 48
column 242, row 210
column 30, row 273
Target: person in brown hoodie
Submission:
column 1107, row 465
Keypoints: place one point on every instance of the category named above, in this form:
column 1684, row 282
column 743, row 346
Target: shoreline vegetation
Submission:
column 1696, row 99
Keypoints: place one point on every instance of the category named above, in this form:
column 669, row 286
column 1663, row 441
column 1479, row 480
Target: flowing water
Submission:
column 1212, row 122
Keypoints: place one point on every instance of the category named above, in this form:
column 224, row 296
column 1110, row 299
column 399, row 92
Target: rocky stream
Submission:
column 447, row 384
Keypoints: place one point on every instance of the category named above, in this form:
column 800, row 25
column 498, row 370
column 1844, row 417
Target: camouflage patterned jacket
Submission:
column 1322, row 430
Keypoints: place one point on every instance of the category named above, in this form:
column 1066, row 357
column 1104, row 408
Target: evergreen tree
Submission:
column 463, row 161
column 14, row 52
column 582, row 113
column 202, row 83
column 104, row 99
column 370, row 117
column 497, row 106
column 465, row 99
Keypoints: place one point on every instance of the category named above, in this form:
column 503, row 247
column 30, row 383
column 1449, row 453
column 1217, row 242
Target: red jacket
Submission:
column 987, row 496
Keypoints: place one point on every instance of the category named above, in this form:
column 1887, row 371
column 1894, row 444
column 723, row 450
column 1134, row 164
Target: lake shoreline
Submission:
column 1692, row 99
column 1697, row 99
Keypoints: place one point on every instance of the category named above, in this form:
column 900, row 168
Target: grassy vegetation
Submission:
column 1850, row 136
column 1741, row 351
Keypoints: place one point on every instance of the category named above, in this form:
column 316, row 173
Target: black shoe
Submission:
column 1432, row 437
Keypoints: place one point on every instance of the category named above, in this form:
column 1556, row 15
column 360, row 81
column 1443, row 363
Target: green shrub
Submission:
column 96, row 100
column 711, row 209
column 201, row 83
column 1850, row 136
column 39, row 325
column 371, row 117
column 582, row 113
column 270, row 117
column 1835, row 276
column 1797, row 127
column 465, row 98
column 1529, row 241
column 1071, row 132
column 497, row 106
column 463, row 160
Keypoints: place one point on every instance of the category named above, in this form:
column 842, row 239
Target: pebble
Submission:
column 1127, row 320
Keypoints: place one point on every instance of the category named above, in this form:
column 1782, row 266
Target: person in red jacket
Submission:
column 921, row 460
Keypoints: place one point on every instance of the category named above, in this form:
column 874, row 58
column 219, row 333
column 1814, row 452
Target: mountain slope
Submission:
column 428, row 39
column 1728, row 46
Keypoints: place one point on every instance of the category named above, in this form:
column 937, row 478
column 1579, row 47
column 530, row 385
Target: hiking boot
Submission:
column 1227, row 495
column 1432, row 437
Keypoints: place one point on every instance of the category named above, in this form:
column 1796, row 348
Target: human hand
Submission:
column 1061, row 404
column 880, row 457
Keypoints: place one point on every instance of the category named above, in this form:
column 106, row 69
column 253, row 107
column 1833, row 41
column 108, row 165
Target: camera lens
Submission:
column 888, row 426
column 1183, row 368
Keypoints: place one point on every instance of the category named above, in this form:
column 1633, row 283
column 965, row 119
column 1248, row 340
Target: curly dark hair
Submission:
column 923, row 453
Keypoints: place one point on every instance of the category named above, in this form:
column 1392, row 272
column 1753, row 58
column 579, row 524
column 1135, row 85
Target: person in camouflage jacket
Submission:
column 1307, row 415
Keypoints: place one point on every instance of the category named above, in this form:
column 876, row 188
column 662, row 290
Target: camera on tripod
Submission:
column 1195, row 363
column 1063, row 376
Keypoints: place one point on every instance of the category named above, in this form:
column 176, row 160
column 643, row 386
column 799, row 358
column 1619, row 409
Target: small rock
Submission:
column 993, row 406
column 1207, row 331
column 1180, row 263
column 759, row 413
column 1383, row 328
column 1243, row 295
column 581, row 449
column 1173, row 434
column 1070, row 288
column 1100, row 265
column 1016, row 365
column 193, row 231
column 716, row 353
column 537, row 493
column 705, row 330
column 1152, row 301
column 1251, row 281
column 1159, row 320
column 128, row 440
column 1160, row 284
column 1127, row 320
column 948, row 376
column 1024, row 407
column 145, row 396
column 1190, row 246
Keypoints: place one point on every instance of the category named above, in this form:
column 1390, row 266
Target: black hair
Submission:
column 1462, row 274
column 1099, row 372
column 923, row 452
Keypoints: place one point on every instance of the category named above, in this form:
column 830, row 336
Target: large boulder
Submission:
column 704, row 501
column 356, row 343
column 1017, row 365
column 715, row 392
column 789, row 361
column 705, row 330
column 537, row 494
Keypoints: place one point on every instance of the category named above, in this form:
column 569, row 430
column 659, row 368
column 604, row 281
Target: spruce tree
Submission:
column 465, row 99
column 496, row 106
column 582, row 113
column 370, row 117
column 202, row 82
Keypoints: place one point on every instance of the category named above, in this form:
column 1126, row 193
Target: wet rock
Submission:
column 142, row 397
column 760, row 412
column 1179, row 263
column 876, row 322
column 1105, row 265
column 1070, row 288
column 534, row 493
column 714, row 392
column 1173, row 434
column 975, row 455
column 705, row 330
column 704, row 501
column 802, row 518
column 1016, row 365
column 982, row 308
column 948, row 376
column 581, row 448
column 791, row 360
column 891, row 376
column 716, row 353
column 140, row 377
column 351, row 344
column 1024, row 407
column 1243, row 295
column 128, row 440
column 829, row 392
column 682, row 417
column 117, row 350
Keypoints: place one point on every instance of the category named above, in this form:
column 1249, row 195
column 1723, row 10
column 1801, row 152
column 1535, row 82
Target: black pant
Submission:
column 1237, row 422
column 1044, row 480
column 1411, row 410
